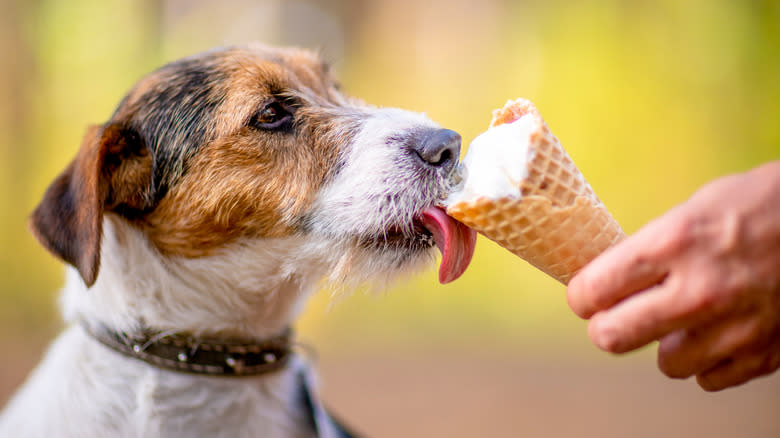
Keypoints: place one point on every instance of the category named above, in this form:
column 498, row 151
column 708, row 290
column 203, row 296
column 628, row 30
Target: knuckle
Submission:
column 726, row 290
column 755, row 334
column 641, row 262
column 703, row 300
column 710, row 296
column 730, row 234
column 703, row 295
column 680, row 234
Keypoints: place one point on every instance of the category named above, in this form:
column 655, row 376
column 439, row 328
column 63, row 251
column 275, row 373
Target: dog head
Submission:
column 254, row 144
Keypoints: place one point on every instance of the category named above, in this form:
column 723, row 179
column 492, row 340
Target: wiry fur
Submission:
column 213, row 226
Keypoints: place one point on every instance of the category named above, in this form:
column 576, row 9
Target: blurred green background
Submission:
column 651, row 99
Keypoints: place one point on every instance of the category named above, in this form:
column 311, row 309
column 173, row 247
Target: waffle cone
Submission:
column 555, row 221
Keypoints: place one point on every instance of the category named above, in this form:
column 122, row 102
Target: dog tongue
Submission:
column 455, row 241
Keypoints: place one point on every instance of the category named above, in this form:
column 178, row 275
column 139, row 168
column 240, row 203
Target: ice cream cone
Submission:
column 546, row 213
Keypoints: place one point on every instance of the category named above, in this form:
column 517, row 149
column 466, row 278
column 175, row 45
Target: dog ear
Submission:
column 111, row 172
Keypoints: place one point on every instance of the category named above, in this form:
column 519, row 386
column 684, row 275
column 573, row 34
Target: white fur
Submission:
column 252, row 288
column 84, row 389
column 375, row 170
column 381, row 185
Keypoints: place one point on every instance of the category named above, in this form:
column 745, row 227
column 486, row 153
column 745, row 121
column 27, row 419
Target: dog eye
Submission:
column 268, row 115
column 272, row 117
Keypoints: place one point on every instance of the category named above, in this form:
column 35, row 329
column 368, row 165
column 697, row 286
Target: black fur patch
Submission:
column 174, row 117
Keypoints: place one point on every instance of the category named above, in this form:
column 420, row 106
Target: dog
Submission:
column 223, row 191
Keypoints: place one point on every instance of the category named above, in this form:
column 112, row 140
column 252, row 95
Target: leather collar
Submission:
column 199, row 356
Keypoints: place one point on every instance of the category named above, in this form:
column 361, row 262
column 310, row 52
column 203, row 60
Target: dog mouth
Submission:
column 433, row 227
column 455, row 241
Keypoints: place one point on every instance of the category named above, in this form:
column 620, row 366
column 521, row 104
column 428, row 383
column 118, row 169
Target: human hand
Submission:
column 703, row 279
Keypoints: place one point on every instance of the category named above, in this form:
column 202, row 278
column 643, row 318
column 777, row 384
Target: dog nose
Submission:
column 440, row 148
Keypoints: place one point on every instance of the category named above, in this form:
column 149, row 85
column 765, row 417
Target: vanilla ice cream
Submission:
column 496, row 161
column 521, row 189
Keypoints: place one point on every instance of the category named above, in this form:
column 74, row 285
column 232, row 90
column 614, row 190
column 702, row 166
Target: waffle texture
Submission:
column 555, row 222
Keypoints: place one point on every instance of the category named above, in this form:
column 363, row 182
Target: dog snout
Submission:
column 439, row 148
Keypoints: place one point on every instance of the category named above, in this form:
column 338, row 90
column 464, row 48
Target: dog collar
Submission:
column 198, row 356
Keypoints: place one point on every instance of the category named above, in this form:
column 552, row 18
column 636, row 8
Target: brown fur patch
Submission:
column 180, row 160
column 126, row 171
column 251, row 182
column 67, row 222
column 110, row 170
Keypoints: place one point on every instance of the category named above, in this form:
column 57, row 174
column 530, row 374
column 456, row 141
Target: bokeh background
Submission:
column 651, row 99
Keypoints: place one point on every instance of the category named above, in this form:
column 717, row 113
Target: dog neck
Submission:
column 253, row 290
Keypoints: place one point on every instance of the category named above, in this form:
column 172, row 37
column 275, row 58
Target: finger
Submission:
column 650, row 315
column 739, row 370
column 633, row 265
column 684, row 353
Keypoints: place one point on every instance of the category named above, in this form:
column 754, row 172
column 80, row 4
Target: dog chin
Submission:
column 375, row 263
